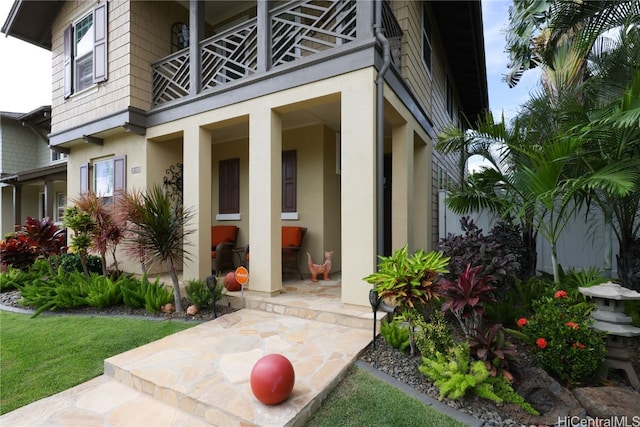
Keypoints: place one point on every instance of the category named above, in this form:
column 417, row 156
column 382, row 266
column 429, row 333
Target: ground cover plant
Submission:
column 37, row 363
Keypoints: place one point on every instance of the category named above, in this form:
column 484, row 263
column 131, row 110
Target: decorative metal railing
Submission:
column 299, row 29
column 304, row 28
column 171, row 77
column 230, row 55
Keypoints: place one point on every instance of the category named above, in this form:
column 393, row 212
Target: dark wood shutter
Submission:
column 119, row 174
column 229, row 186
column 289, row 181
column 68, row 61
column 100, row 64
column 84, row 178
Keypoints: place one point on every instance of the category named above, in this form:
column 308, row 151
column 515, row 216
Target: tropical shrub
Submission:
column 433, row 334
column 14, row 278
column 474, row 248
column 466, row 297
column 491, row 347
column 515, row 302
column 108, row 231
column 409, row 281
column 564, row 343
column 18, row 251
column 82, row 225
column 49, row 239
column 103, row 291
column 198, row 292
column 395, row 333
column 70, row 262
column 61, row 291
column 456, row 375
column 145, row 294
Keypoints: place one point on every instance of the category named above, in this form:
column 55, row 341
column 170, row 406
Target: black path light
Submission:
column 212, row 284
column 377, row 304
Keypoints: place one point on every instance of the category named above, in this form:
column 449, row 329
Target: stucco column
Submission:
column 402, row 190
column 358, row 177
column 422, row 196
column 49, row 197
column 265, row 200
column 197, row 197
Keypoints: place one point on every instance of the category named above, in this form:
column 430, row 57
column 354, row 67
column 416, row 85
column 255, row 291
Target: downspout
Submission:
column 386, row 62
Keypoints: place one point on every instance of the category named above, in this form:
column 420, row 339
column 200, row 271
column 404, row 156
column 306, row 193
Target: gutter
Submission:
column 386, row 62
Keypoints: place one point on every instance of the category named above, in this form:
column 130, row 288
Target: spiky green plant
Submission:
column 159, row 225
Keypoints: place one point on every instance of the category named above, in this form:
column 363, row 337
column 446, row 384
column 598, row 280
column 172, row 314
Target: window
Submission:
column 85, row 51
column 56, row 156
column 103, row 178
column 61, row 202
column 289, row 181
column 426, row 37
column 229, row 186
column 109, row 176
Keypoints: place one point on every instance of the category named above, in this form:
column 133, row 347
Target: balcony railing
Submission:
column 298, row 30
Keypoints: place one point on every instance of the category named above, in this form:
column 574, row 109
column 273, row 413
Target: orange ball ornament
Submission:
column 272, row 379
column 231, row 283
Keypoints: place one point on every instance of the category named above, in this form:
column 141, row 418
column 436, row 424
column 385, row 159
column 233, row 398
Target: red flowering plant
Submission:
column 563, row 342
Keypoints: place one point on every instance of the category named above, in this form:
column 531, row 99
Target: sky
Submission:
column 25, row 74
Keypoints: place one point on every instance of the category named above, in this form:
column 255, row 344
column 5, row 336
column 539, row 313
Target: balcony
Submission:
column 298, row 30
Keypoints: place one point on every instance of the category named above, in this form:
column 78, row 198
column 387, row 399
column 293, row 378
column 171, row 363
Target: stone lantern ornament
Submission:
column 609, row 317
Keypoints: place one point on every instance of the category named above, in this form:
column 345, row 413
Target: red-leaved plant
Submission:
column 466, row 297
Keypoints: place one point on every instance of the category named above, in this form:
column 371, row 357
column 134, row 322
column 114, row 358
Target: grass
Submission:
column 364, row 400
column 42, row 356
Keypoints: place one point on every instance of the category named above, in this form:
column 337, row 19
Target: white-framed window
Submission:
column 85, row 51
column 61, row 203
column 57, row 156
column 426, row 37
column 103, row 178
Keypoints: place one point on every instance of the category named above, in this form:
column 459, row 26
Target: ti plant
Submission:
column 408, row 281
column 466, row 297
column 491, row 347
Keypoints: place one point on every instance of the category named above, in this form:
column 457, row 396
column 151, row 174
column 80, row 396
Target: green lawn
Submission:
column 361, row 399
column 45, row 355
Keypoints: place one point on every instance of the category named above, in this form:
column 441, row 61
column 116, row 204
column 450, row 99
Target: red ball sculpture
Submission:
column 231, row 283
column 272, row 379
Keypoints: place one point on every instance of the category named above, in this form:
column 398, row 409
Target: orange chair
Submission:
column 223, row 240
column 292, row 238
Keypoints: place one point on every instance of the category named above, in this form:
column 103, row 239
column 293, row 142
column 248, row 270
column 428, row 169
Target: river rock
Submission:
column 609, row 402
column 548, row 397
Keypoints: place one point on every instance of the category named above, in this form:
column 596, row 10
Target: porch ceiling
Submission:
column 327, row 114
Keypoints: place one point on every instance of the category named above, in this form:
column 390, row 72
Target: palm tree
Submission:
column 493, row 187
column 537, row 28
column 159, row 226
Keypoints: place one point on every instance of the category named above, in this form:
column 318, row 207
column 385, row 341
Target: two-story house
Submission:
column 33, row 177
column 318, row 113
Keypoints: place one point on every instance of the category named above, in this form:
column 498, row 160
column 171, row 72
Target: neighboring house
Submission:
column 33, row 177
column 281, row 113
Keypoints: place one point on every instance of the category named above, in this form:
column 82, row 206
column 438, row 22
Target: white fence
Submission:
column 581, row 244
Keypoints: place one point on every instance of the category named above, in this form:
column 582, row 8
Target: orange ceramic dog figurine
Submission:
column 316, row 269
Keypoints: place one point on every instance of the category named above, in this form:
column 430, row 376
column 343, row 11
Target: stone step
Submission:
column 205, row 371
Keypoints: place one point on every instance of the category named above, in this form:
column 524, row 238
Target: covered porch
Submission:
column 330, row 125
